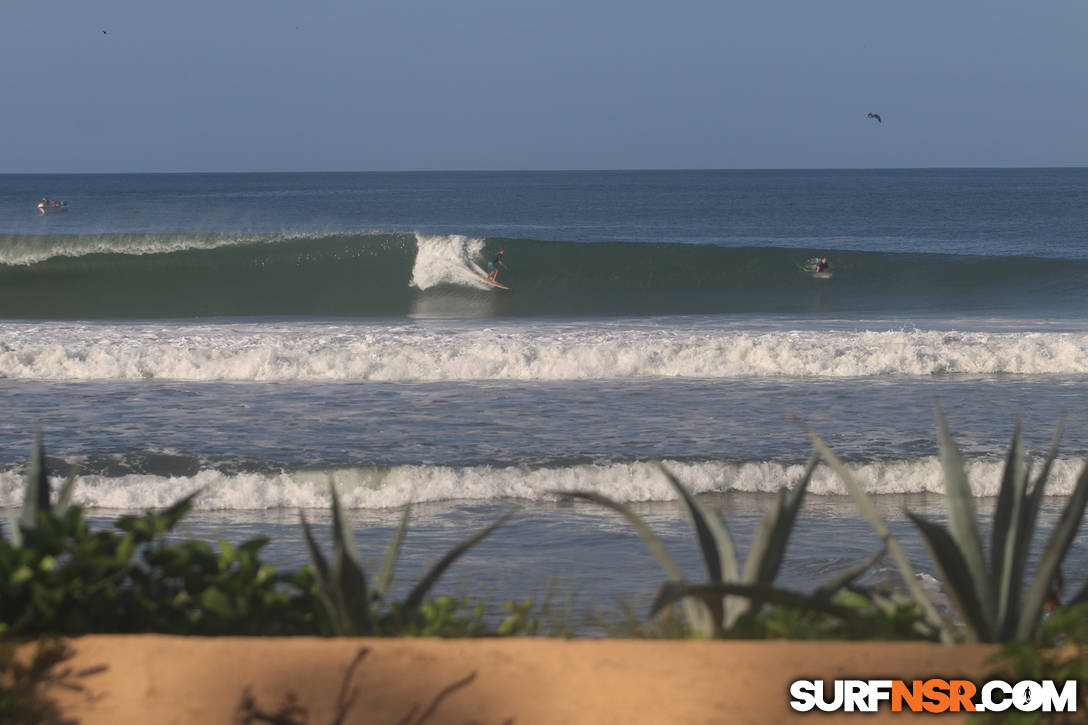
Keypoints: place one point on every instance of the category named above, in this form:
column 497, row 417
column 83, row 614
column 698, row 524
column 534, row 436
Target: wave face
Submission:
column 397, row 274
column 377, row 487
column 411, row 352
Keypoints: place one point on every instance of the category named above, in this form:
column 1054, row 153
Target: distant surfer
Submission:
column 876, row 116
column 493, row 266
column 822, row 264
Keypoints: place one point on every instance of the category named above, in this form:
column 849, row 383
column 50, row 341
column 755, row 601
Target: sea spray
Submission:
column 446, row 260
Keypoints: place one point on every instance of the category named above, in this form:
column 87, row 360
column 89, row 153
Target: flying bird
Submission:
column 104, row 33
column 877, row 117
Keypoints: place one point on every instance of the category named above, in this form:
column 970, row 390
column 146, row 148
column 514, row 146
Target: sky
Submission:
column 325, row 85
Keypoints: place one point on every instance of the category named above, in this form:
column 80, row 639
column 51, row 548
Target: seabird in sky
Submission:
column 877, row 117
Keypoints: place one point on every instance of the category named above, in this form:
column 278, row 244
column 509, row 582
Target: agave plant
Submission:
column 990, row 595
column 37, row 496
column 930, row 616
column 356, row 606
column 731, row 591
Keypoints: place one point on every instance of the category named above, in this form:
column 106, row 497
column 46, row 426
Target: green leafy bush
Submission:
column 59, row 577
column 1059, row 653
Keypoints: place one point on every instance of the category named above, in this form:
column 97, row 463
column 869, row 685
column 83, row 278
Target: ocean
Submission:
column 258, row 335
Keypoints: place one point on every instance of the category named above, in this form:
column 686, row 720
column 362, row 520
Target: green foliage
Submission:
column 932, row 619
column 65, row 579
column 733, row 593
column 1059, row 653
column 36, row 496
column 628, row 622
column 356, row 606
column 857, row 614
column 989, row 595
column 59, row 577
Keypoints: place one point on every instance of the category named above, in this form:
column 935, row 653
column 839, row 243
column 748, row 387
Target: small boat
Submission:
column 55, row 207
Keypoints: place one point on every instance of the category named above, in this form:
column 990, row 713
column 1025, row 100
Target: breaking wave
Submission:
column 433, row 351
column 391, row 486
column 396, row 274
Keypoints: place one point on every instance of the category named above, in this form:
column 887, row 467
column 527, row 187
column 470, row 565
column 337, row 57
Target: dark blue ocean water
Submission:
column 263, row 334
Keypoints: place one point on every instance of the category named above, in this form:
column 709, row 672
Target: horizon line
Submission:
column 559, row 171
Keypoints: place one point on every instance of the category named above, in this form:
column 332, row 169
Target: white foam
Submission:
column 430, row 351
column 385, row 487
column 31, row 250
column 446, row 260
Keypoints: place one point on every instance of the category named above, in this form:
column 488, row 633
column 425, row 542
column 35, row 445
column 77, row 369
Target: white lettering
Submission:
column 879, row 690
column 803, row 693
column 1027, row 696
column 834, row 704
column 989, row 704
column 1065, row 701
column 856, row 697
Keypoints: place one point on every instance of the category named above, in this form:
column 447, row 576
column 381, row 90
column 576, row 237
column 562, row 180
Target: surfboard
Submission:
column 484, row 279
column 822, row 275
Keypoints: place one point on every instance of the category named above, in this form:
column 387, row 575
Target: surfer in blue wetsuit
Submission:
column 493, row 266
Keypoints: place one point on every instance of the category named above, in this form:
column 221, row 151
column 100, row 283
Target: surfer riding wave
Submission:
column 493, row 266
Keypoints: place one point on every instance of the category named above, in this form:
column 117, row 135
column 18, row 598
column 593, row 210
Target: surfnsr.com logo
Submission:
column 933, row 696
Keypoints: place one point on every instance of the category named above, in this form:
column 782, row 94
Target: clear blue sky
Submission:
column 310, row 85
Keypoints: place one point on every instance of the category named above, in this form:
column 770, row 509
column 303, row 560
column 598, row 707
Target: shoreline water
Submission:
column 586, row 563
column 369, row 351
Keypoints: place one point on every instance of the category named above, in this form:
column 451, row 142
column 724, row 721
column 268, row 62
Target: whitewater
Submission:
column 396, row 486
column 258, row 337
column 571, row 350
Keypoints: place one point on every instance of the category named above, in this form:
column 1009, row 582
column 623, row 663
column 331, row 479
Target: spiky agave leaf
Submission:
column 847, row 576
column 768, row 547
column 1056, row 547
column 869, row 512
column 963, row 520
column 415, row 597
column 349, row 585
column 653, row 543
column 384, row 580
column 715, row 541
column 342, row 587
column 1029, row 515
column 320, row 564
column 14, row 534
column 671, row 592
column 64, row 496
column 699, row 618
column 36, row 495
column 324, row 585
column 1080, row 597
column 1005, row 538
column 958, row 580
column 716, row 545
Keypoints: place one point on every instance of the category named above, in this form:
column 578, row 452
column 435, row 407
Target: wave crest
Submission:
column 434, row 352
column 378, row 487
